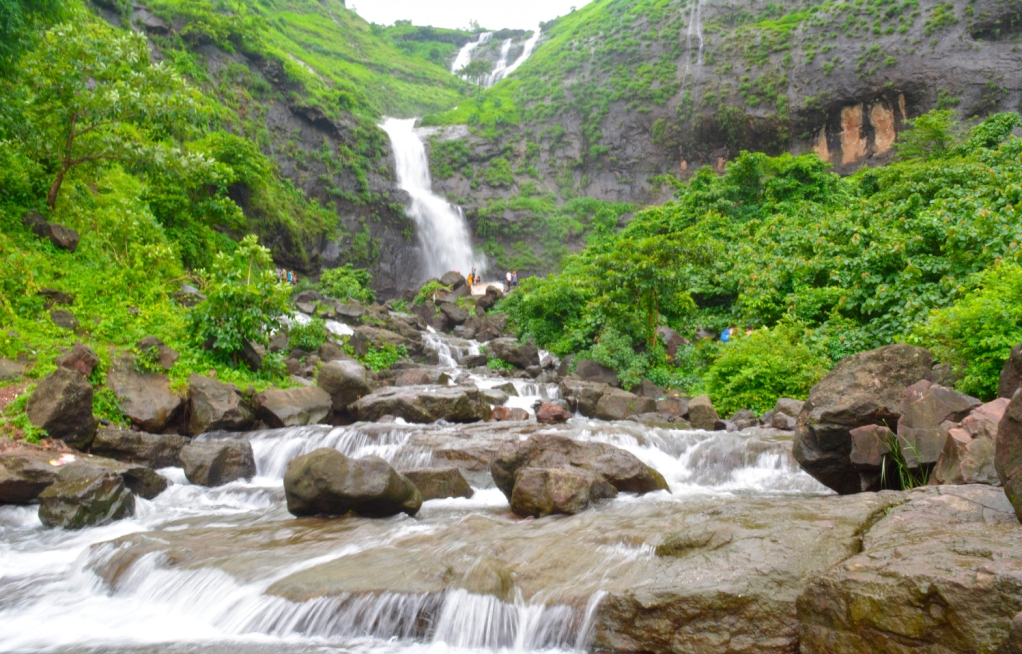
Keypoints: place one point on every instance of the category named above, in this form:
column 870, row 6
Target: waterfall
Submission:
column 464, row 57
column 500, row 70
column 695, row 30
column 530, row 46
column 441, row 230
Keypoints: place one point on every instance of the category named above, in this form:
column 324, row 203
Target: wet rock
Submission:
column 414, row 377
column 870, row 446
column 473, row 361
column 425, row 404
column 453, row 280
column 145, row 397
column 62, row 405
column 215, row 406
column 152, row 450
column 80, row 358
column 701, row 413
column 789, row 406
column 455, row 315
column 947, row 566
column 583, row 396
column 64, row 319
column 661, row 420
column 218, row 462
column 495, row 396
column 504, row 414
column 551, row 414
column 617, row 404
column 725, row 425
column 294, row 407
column 540, row 492
column 591, row 371
column 10, row 370
column 438, row 483
column 26, row 472
column 345, row 382
column 862, row 389
column 164, row 356
column 519, row 355
column 926, row 411
column 698, row 539
column 86, row 501
column 1008, row 453
column 783, row 421
column 968, row 455
column 744, row 418
column 325, row 482
column 1011, row 374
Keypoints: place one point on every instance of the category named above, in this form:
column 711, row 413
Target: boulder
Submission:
column 701, row 413
column 862, row 389
column 551, row 414
column 152, row 450
column 505, row 414
column 345, row 382
column 673, row 402
column 439, row 483
column 85, row 501
column 350, row 313
column 871, row 444
column 64, row 319
column 294, row 407
column 789, row 406
column 540, row 492
column 80, row 358
column 10, row 370
column 414, row 377
column 671, row 341
column 783, row 421
column 495, row 396
column 325, row 482
column 472, row 361
column 583, row 396
column 927, row 411
column 253, row 354
column 1008, row 453
column 145, row 397
column 218, row 462
column 26, row 472
column 62, row 237
column 453, row 280
column 279, row 342
column 455, row 315
column 1011, row 374
column 212, row 405
column 55, row 297
column 646, row 388
column 62, row 405
column 330, row 351
column 590, row 371
column 617, row 404
column 744, row 418
column 661, row 420
column 968, row 455
column 519, row 355
column 165, row 357
column 424, row 404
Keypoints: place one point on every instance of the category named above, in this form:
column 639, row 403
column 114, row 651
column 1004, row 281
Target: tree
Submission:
column 477, row 70
column 347, row 283
column 94, row 96
column 17, row 20
column 933, row 135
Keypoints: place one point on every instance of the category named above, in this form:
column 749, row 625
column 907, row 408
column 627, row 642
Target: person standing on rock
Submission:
column 514, row 279
column 507, row 282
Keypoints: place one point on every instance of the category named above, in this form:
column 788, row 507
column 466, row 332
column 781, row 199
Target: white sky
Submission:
column 491, row 14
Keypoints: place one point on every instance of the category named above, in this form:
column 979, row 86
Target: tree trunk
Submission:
column 51, row 197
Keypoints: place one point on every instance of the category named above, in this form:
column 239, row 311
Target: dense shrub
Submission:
column 346, row 283
column 308, row 337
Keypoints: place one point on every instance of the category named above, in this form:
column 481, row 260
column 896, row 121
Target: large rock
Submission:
column 940, row 573
column 152, row 450
column 1011, row 374
column 789, row 406
column 552, row 414
column 701, row 413
column 62, row 237
column 670, row 340
column 871, row 447
column 325, row 482
column 345, row 382
column 10, row 370
column 26, row 472
column 968, row 455
column 453, row 280
column 927, row 412
column 294, row 407
column 215, row 406
column 218, row 462
column 1008, row 453
column 455, row 315
column 540, row 492
column 519, row 355
column 85, row 501
column 80, row 358
column 438, row 483
column 583, row 396
column 617, row 404
column 145, row 397
column 162, row 355
column 424, row 404
column 64, row 319
column 62, row 405
column 590, row 371
column 862, row 389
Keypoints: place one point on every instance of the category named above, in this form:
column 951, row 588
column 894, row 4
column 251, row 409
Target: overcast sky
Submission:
column 491, row 14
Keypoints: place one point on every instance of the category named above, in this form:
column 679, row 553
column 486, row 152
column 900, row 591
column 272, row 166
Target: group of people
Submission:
column 730, row 332
column 287, row 276
column 473, row 278
column 510, row 280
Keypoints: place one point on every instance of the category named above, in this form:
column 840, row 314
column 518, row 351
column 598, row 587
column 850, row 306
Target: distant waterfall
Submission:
column 441, row 230
column 464, row 57
column 502, row 68
column 530, row 47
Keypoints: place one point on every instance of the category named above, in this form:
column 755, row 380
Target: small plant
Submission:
column 106, row 406
column 499, row 365
column 384, row 357
column 400, row 306
column 14, row 420
column 309, row 336
column 430, row 292
column 906, row 477
column 347, row 283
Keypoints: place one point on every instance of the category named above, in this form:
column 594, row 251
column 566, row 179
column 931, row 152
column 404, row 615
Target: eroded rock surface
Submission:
column 424, row 404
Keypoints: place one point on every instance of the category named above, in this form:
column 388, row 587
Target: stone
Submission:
column 646, row 388
column 145, row 397
column 783, row 421
column 279, row 342
column 62, row 237
column 453, row 280
column 414, row 377
column 439, row 483
column 212, row 405
column 671, row 341
column 789, row 406
column 617, row 404
column 495, row 396
column 863, row 389
column 504, row 414
column 519, row 355
column 1011, row 374
column 55, row 297
column 64, row 319
column 253, row 354
column 968, row 454
column 673, row 402
column 590, row 371
column 455, row 315
column 294, row 407
column 1008, row 452
column 330, row 351
column 423, row 404
column 701, row 413
column 725, row 425
column 345, row 382
column 540, row 492
column 472, row 361
column 10, row 370
column 583, row 396
column 326, row 482
column 80, row 358
column 165, row 357
column 151, row 450
column 218, row 462
column 26, row 472
column 870, row 446
column 61, row 404
column 350, row 313
column 366, row 337
column 744, row 418
column 922, row 428
column 551, row 414
column 86, row 501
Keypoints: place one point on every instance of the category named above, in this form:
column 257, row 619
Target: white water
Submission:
column 694, row 32
column 441, row 231
column 500, row 68
column 464, row 57
column 530, row 47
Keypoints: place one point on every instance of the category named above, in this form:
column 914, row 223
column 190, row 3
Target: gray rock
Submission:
column 926, row 411
column 145, row 397
column 540, row 492
column 345, row 382
column 64, row 319
column 745, row 418
column 701, row 413
column 648, row 389
column 62, row 405
column 783, row 421
column 583, row 396
column 473, row 361
column 591, row 371
column 673, row 402
column 519, row 355
column 10, row 370
column 152, row 450
column 26, row 472
column 455, row 315
column 253, row 354
column 617, row 404
column 294, row 407
column 325, row 482
column 215, row 406
column 789, row 406
column 332, row 352
column 80, row 358
column 453, row 280
column 424, row 404
column 218, row 462
column 438, row 483
column 85, row 501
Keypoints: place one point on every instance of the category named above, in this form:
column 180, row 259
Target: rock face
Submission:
column 325, row 482
column 85, row 501
column 145, row 397
column 151, row 450
column 212, row 405
column 968, row 455
column 345, row 382
column 424, row 404
column 294, row 407
column 617, row 404
column 940, row 573
column 591, row 371
column 862, row 389
column 79, row 358
column 606, row 469
column 1008, row 453
column 218, row 462
column 701, row 413
column 62, row 405
column 519, row 355
column 438, row 483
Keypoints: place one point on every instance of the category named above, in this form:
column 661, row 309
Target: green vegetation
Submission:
column 499, row 365
column 347, row 283
column 430, row 291
column 308, row 337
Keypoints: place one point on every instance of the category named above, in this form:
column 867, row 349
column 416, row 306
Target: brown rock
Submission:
column 438, row 483
column 617, row 404
column 80, row 358
column 145, row 397
column 551, row 414
column 540, row 492
column 294, row 407
column 701, row 413
column 62, row 405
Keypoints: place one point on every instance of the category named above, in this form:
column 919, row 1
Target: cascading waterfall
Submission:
column 464, row 57
column 694, row 31
column 530, row 47
column 441, row 230
column 500, row 69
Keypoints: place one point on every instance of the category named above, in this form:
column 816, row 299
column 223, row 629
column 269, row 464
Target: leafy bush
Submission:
column 384, row 357
column 753, row 371
column 347, row 282
column 499, row 365
column 430, row 291
column 309, row 336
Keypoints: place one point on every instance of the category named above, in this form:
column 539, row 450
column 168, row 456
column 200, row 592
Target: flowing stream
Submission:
column 202, row 569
